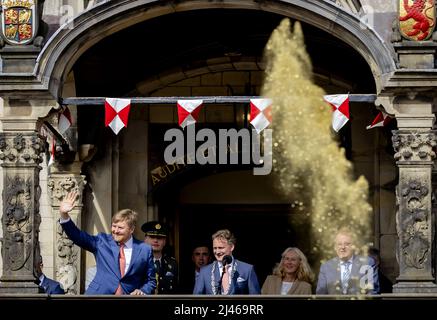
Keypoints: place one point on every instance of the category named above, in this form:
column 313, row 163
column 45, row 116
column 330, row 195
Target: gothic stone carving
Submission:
column 17, row 148
column 414, row 146
column 17, row 221
column 20, row 154
column 60, row 187
column 413, row 227
column 67, row 253
column 66, row 270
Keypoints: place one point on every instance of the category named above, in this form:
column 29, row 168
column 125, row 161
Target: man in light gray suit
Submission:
column 348, row 273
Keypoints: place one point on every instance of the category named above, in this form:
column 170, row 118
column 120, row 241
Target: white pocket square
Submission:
column 240, row 279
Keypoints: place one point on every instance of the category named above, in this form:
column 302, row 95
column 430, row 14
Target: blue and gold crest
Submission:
column 19, row 23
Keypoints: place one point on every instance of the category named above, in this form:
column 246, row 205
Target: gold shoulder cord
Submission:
column 157, row 282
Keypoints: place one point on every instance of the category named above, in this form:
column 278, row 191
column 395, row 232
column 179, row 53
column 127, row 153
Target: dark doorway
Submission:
column 262, row 233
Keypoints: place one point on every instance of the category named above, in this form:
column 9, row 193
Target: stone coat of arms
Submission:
column 416, row 19
column 19, row 21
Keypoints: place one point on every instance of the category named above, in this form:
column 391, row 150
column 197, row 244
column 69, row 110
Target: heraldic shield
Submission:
column 19, row 22
column 416, row 19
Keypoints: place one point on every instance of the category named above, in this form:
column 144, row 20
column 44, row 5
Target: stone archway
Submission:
column 68, row 44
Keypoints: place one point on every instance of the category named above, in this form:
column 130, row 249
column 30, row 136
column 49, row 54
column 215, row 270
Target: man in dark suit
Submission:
column 226, row 275
column 166, row 266
column 348, row 273
column 200, row 256
column 124, row 264
column 46, row 285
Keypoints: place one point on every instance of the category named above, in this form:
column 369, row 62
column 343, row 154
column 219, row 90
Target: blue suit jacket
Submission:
column 364, row 272
column 51, row 286
column 141, row 272
column 244, row 280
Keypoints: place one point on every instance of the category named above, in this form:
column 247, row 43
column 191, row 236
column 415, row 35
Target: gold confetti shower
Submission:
column 310, row 167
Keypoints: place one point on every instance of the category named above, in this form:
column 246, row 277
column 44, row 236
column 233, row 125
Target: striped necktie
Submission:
column 345, row 276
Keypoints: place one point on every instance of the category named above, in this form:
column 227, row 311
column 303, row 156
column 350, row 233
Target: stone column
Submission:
column 20, row 153
column 67, row 255
column 413, row 144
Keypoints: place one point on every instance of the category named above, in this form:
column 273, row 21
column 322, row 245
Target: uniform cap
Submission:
column 154, row 228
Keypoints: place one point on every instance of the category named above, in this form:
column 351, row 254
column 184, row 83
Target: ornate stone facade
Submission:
column 21, row 149
column 414, row 222
column 414, row 146
column 67, row 255
column 403, row 77
column 21, row 156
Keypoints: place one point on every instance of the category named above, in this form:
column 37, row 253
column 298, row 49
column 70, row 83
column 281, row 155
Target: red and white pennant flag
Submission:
column 64, row 121
column 45, row 132
column 260, row 113
column 116, row 113
column 188, row 111
column 52, row 146
column 380, row 120
column 340, row 108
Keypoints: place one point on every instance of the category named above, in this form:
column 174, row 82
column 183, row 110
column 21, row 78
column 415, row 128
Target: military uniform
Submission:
column 166, row 267
column 166, row 275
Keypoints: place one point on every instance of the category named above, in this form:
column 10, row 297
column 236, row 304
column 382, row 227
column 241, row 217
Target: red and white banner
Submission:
column 50, row 138
column 188, row 111
column 340, row 108
column 52, row 146
column 380, row 120
column 64, row 121
column 260, row 113
column 116, row 113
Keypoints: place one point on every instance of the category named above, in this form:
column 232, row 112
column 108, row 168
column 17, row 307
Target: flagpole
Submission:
column 58, row 136
column 89, row 101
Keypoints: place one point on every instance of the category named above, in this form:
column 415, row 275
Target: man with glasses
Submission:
column 348, row 273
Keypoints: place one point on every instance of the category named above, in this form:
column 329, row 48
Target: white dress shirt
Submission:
column 128, row 253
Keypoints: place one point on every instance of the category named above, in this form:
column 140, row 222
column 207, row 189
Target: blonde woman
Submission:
column 292, row 275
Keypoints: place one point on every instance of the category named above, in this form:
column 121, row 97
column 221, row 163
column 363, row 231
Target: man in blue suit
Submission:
column 45, row 284
column 226, row 275
column 124, row 264
column 348, row 273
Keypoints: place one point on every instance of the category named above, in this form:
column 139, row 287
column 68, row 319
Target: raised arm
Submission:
column 80, row 238
column 67, row 205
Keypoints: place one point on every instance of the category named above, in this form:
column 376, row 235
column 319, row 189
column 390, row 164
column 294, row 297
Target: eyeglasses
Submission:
column 345, row 245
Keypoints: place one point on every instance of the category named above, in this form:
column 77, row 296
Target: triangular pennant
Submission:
column 188, row 111
column 340, row 108
column 116, row 113
column 380, row 120
column 65, row 121
column 260, row 113
column 52, row 151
